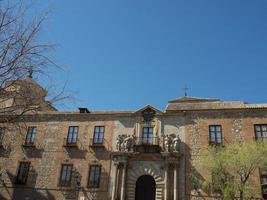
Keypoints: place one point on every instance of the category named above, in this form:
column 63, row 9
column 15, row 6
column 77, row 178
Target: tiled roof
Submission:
column 195, row 103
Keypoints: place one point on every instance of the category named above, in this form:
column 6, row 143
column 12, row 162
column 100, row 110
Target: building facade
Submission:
column 119, row 155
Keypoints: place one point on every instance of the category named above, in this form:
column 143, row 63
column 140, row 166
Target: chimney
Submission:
column 84, row 110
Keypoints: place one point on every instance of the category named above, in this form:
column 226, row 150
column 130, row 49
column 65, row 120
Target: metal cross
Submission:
column 30, row 72
column 185, row 90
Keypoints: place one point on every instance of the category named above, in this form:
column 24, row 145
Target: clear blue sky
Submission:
column 123, row 54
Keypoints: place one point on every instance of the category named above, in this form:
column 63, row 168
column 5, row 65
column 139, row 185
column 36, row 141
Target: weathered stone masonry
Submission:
column 144, row 143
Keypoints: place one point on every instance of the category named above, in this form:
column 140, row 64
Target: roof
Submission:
column 192, row 99
column 196, row 103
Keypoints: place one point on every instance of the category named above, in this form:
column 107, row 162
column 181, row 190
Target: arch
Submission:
column 140, row 171
column 145, row 188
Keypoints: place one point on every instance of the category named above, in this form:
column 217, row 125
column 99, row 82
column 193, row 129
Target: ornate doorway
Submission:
column 145, row 188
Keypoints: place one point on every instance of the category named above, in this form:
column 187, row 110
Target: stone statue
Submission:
column 119, row 142
column 125, row 142
column 128, row 143
column 167, row 143
column 176, row 143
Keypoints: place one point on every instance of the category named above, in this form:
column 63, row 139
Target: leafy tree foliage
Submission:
column 230, row 172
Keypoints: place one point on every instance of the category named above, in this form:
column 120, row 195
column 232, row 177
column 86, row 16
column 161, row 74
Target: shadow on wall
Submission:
column 30, row 192
column 22, row 192
column 194, row 179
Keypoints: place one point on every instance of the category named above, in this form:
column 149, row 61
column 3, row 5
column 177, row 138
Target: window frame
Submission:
column 30, row 136
column 72, row 140
column 98, row 140
column 2, row 134
column 262, row 138
column 20, row 168
column 68, row 182
column 263, row 182
column 216, row 141
column 148, row 139
column 96, row 182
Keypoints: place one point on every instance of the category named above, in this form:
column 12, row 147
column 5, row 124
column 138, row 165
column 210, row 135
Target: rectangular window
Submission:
column 215, row 132
column 147, row 136
column 72, row 135
column 23, row 172
column 65, row 175
column 2, row 132
column 264, row 184
column 99, row 135
column 30, row 137
column 261, row 131
column 94, row 176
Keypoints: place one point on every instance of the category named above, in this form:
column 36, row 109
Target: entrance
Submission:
column 145, row 188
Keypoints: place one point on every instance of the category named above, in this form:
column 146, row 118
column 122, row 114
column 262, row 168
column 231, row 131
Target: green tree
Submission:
column 228, row 171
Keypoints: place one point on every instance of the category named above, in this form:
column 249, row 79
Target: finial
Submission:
column 30, row 72
column 185, row 90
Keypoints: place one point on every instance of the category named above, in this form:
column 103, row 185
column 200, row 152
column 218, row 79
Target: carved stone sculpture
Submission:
column 128, row 143
column 167, row 143
column 176, row 143
column 119, row 142
column 124, row 143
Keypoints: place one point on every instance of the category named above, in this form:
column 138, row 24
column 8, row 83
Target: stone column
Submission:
column 175, row 189
column 123, row 181
column 166, row 182
column 114, row 188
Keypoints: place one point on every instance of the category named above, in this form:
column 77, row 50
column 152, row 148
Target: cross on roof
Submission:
column 30, row 72
column 185, row 90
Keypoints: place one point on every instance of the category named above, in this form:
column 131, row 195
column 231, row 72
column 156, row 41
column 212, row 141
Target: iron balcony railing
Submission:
column 68, row 142
column 147, row 141
column 260, row 138
column 29, row 143
column 101, row 143
column 97, row 142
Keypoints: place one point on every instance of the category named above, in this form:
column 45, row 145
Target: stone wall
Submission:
column 48, row 155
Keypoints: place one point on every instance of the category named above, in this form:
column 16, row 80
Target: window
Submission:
column 261, row 131
column 65, row 175
column 23, row 172
column 98, row 135
column 30, row 137
column 264, row 184
column 147, row 136
column 215, row 134
column 72, row 135
column 94, row 176
column 2, row 132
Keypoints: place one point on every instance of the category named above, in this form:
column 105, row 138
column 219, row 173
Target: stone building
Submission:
column 118, row 155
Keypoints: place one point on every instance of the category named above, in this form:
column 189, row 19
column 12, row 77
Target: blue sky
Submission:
column 123, row 54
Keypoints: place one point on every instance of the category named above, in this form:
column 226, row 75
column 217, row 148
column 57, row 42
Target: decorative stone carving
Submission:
column 128, row 143
column 176, row 143
column 119, row 142
column 171, row 143
column 167, row 143
column 125, row 143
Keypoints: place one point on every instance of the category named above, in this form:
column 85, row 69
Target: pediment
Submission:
column 148, row 108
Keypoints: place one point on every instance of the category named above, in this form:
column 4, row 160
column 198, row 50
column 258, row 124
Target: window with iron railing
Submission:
column 65, row 175
column 215, row 134
column 260, row 132
column 147, row 135
column 72, row 135
column 23, row 173
column 94, row 176
column 30, row 137
column 99, row 132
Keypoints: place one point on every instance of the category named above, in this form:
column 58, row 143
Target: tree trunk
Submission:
column 241, row 194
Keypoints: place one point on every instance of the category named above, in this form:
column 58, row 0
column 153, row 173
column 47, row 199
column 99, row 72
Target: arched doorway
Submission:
column 145, row 188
